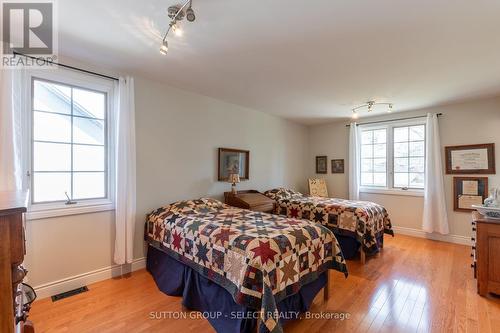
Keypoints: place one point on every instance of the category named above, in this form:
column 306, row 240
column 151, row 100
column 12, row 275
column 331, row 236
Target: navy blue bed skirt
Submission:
column 350, row 246
column 198, row 293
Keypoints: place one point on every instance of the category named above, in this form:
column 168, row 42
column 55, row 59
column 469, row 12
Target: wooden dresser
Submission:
column 251, row 199
column 486, row 254
column 12, row 250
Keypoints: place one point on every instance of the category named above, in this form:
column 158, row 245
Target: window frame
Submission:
column 390, row 188
column 73, row 80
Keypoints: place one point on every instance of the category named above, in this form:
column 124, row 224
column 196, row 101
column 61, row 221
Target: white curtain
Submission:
column 354, row 160
column 435, row 216
column 125, row 200
column 11, row 173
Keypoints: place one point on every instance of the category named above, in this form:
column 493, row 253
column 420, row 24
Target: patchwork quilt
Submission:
column 259, row 258
column 362, row 220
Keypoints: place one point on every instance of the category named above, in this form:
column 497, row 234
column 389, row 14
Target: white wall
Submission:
column 465, row 123
column 178, row 134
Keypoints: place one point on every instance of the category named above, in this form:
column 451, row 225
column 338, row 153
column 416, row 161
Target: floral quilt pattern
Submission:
column 259, row 258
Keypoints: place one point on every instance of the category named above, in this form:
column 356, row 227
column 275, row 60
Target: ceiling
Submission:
column 309, row 61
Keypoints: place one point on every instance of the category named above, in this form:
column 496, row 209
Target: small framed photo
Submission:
column 468, row 191
column 321, row 164
column 470, row 159
column 233, row 161
column 337, row 166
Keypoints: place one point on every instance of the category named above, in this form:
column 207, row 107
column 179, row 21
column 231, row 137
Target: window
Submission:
column 69, row 142
column 393, row 156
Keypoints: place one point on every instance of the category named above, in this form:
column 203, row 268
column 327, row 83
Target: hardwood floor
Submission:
column 414, row 285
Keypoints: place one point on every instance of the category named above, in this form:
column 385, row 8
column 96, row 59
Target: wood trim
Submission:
column 247, row 163
column 491, row 159
column 455, row 191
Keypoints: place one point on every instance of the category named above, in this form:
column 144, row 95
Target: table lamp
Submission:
column 233, row 179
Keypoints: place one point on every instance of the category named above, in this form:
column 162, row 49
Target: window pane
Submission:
column 400, row 134
column 51, row 156
column 417, row 164
column 89, row 131
column 366, row 165
column 367, row 137
column 379, row 165
column 379, row 150
column 366, row 151
column 88, row 185
column 379, row 136
column 417, row 133
column 417, row 148
column 88, row 103
column 51, row 186
column 400, row 179
column 51, row 97
column 401, row 149
column 51, row 127
column 88, row 158
column 379, row 179
column 400, row 165
column 417, row 180
column 366, row 178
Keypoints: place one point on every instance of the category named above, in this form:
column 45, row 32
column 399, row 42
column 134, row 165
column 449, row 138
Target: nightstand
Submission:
column 251, row 199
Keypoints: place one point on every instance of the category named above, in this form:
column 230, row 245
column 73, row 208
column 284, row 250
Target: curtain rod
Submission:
column 65, row 66
column 385, row 121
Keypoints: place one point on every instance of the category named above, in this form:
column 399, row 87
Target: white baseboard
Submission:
column 457, row 239
column 80, row 280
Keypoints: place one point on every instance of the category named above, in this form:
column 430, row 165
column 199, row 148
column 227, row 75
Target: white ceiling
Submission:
column 303, row 60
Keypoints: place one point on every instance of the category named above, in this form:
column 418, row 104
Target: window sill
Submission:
column 386, row 191
column 37, row 213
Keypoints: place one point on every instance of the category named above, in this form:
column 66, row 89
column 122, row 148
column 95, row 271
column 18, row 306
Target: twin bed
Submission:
column 358, row 225
column 245, row 269
column 237, row 265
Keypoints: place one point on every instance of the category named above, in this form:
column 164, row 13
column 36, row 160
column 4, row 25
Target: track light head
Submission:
column 164, row 47
column 354, row 115
column 390, row 108
column 176, row 28
column 190, row 14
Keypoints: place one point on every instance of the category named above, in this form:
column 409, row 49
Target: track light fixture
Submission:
column 177, row 13
column 369, row 106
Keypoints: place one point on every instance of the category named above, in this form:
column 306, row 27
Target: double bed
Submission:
column 240, row 267
column 358, row 225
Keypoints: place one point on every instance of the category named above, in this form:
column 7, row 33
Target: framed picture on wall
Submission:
column 321, row 164
column 233, row 161
column 337, row 166
column 470, row 159
column 468, row 191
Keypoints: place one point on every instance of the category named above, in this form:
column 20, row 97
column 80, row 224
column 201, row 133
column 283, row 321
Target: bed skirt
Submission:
column 350, row 246
column 200, row 294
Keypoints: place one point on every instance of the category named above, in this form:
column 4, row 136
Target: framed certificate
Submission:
column 468, row 191
column 471, row 159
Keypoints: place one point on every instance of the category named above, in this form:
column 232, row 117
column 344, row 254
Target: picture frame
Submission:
column 337, row 165
column 470, row 159
column 232, row 160
column 469, row 191
column 321, row 164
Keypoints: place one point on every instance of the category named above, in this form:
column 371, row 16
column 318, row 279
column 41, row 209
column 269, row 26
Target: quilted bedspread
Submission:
column 361, row 219
column 259, row 258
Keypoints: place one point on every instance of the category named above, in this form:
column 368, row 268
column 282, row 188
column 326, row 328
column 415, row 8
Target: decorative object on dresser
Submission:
column 13, row 313
column 470, row 159
column 469, row 191
column 337, row 166
column 233, row 161
column 233, row 179
column 321, row 164
column 251, row 199
column 486, row 250
column 317, row 188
